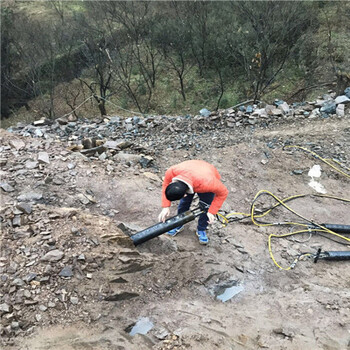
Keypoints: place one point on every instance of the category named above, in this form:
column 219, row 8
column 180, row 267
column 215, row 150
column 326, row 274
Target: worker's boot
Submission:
column 175, row 231
column 202, row 236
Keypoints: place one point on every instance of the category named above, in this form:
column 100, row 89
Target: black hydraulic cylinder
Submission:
column 335, row 256
column 341, row 229
column 338, row 228
column 162, row 227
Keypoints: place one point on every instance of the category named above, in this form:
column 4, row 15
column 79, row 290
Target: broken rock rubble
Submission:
column 105, row 137
column 43, row 260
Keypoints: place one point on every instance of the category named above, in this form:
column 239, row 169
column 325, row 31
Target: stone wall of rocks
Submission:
column 177, row 132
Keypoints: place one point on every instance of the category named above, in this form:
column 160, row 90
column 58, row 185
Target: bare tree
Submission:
column 59, row 8
column 137, row 21
column 97, row 56
column 6, row 61
column 197, row 15
column 338, row 61
column 74, row 96
column 173, row 38
column 40, row 61
column 267, row 32
column 125, row 30
column 42, row 57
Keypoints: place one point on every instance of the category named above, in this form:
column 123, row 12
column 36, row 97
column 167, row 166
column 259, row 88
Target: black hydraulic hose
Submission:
column 162, row 227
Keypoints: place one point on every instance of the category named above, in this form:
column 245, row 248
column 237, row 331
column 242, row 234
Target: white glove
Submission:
column 211, row 218
column 163, row 214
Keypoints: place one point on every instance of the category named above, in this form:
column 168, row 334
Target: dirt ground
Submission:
column 174, row 282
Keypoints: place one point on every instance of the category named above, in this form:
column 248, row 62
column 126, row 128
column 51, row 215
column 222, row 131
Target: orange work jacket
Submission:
column 201, row 177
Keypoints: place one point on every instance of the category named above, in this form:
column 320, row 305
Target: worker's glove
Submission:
column 163, row 214
column 211, row 218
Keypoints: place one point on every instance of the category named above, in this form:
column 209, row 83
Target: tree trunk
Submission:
column 221, row 88
column 102, row 108
column 182, row 86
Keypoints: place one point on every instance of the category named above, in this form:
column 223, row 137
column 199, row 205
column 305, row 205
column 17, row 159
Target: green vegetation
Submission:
column 166, row 57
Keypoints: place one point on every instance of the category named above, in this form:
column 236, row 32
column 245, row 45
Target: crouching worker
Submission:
column 182, row 181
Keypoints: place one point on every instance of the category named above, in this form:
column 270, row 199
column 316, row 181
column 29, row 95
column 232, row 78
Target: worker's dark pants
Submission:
column 185, row 204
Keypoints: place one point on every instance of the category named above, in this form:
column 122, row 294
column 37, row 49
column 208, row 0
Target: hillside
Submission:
column 72, row 279
column 111, row 57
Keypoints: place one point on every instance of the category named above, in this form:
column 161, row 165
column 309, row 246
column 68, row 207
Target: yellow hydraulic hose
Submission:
column 225, row 218
column 322, row 159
